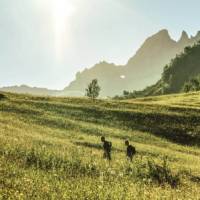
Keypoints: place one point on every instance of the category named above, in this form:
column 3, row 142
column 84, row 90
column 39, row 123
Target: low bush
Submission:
column 2, row 96
column 162, row 174
column 151, row 172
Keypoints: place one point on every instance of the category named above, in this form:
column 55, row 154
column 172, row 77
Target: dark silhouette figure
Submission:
column 107, row 148
column 130, row 151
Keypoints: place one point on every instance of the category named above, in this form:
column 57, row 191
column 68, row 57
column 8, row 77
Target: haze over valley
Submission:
column 142, row 69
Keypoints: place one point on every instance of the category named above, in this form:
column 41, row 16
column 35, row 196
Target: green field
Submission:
column 50, row 148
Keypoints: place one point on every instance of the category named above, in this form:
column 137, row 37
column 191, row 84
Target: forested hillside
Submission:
column 179, row 71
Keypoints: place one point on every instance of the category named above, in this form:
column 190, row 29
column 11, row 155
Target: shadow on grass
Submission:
column 94, row 146
column 192, row 177
column 195, row 179
column 99, row 147
column 175, row 128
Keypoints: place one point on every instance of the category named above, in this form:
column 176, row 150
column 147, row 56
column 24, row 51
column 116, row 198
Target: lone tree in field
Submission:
column 93, row 89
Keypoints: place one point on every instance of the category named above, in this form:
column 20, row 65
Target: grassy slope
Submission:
column 50, row 148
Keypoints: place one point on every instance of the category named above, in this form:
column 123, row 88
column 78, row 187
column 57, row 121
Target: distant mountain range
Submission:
column 24, row 89
column 143, row 69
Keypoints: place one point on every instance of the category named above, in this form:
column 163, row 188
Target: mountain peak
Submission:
column 163, row 31
column 184, row 37
column 163, row 34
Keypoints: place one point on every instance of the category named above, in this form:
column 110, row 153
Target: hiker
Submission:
column 130, row 151
column 107, row 148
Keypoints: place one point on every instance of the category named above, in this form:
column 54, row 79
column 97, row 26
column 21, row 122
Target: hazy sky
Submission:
column 45, row 42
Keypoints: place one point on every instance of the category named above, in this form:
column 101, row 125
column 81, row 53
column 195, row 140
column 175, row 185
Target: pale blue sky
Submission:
column 43, row 47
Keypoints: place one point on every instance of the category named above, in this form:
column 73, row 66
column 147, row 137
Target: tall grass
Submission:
column 50, row 148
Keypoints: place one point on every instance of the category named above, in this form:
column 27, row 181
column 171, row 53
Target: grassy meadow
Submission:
column 50, row 148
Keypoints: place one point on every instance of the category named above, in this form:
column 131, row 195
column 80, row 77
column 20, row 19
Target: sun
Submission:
column 62, row 11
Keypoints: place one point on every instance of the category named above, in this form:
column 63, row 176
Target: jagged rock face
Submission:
column 154, row 54
column 143, row 69
column 184, row 38
column 146, row 66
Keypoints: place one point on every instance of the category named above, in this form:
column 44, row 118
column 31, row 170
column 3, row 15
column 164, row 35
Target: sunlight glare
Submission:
column 62, row 10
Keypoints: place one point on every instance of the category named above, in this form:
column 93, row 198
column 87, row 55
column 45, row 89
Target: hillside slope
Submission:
column 143, row 69
column 181, row 69
column 50, row 148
